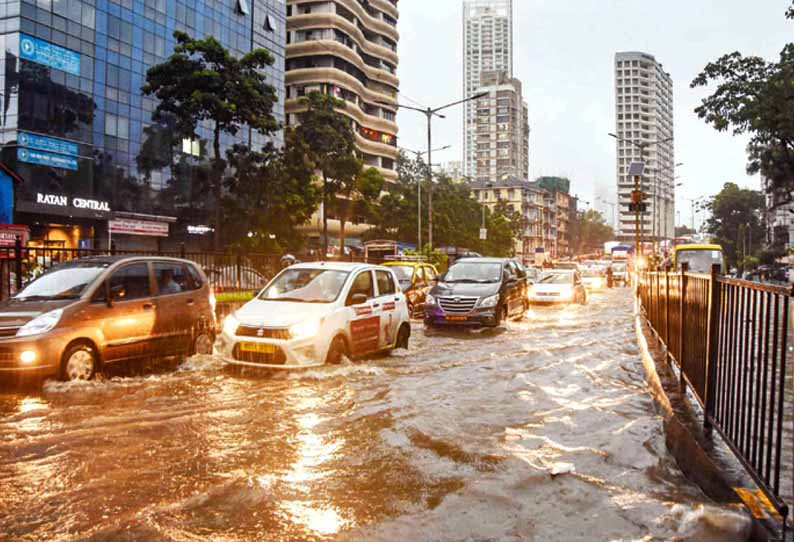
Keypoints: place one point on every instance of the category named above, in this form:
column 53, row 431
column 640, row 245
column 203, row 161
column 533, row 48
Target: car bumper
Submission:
column 286, row 355
column 47, row 348
column 549, row 300
column 435, row 316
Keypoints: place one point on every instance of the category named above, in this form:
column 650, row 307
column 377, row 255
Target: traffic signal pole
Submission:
column 637, row 216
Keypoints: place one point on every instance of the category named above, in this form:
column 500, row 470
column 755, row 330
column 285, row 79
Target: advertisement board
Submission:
column 48, row 54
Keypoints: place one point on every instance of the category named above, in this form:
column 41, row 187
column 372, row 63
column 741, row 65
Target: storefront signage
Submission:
column 138, row 227
column 32, row 156
column 199, row 230
column 77, row 203
column 49, row 54
column 9, row 234
column 44, row 143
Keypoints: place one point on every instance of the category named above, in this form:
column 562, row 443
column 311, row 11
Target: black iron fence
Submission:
column 239, row 272
column 729, row 339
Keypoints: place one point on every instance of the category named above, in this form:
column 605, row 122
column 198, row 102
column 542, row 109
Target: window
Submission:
column 430, row 275
column 131, row 282
column 196, row 282
column 362, row 285
column 171, row 278
column 191, row 146
column 385, row 283
column 242, row 7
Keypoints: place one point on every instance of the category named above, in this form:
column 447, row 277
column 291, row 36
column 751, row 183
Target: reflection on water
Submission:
column 456, row 440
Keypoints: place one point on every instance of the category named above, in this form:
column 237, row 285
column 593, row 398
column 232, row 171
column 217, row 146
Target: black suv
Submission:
column 478, row 292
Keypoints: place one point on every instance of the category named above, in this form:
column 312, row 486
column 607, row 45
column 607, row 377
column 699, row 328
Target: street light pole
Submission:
column 429, row 112
column 419, row 194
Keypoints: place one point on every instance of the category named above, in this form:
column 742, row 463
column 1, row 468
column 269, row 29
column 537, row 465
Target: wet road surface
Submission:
column 456, row 439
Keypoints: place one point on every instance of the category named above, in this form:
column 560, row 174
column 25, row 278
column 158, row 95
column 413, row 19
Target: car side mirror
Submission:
column 357, row 299
column 117, row 293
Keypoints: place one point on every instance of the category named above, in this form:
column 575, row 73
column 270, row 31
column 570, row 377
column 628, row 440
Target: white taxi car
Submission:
column 559, row 286
column 311, row 314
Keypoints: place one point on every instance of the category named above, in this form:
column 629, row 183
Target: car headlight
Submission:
column 490, row 301
column 41, row 324
column 230, row 325
column 430, row 300
column 305, row 330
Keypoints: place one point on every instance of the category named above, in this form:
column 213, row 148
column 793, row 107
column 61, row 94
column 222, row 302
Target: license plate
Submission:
column 258, row 348
column 457, row 318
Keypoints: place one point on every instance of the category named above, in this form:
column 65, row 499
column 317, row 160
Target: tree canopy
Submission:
column 589, row 232
column 755, row 96
column 202, row 82
column 736, row 221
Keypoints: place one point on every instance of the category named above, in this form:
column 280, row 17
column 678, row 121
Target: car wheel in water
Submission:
column 202, row 344
column 337, row 349
column 403, row 336
column 79, row 362
column 501, row 315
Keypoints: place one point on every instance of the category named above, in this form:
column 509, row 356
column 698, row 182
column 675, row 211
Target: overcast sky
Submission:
column 564, row 54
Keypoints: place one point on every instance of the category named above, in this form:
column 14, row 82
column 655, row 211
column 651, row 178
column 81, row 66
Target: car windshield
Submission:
column 404, row 274
column 699, row 260
column 64, row 282
column 306, row 286
column 594, row 272
column 556, row 278
column 474, row 272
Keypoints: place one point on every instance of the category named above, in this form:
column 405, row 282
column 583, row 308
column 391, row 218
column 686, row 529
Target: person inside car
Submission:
column 167, row 283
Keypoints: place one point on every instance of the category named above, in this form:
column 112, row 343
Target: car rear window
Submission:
column 195, row 277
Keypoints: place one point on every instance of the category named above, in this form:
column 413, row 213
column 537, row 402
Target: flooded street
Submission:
column 456, row 439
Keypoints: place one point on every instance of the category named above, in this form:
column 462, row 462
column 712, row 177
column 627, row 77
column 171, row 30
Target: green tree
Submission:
column 202, row 82
column 357, row 194
column 504, row 227
column 735, row 221
column 329, row 136
column 755, row 96
column 589, row 232
column 269, row 194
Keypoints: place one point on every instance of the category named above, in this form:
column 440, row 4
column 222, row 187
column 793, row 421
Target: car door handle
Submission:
column 396, row 298
column 190, row 302
column 148, row 306
column 375, row 305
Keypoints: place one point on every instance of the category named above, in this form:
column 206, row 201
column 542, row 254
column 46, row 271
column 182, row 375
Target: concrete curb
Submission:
column 693, row 460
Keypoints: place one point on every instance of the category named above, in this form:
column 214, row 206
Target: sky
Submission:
column 564, row 56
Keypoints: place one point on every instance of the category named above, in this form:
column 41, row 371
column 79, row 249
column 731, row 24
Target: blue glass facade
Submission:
column 71, row 73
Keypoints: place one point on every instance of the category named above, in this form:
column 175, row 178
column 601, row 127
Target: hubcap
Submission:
column 203, row 345
column 80, row 365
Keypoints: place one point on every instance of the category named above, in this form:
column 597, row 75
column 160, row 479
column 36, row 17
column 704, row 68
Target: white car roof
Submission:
column 571, row 271
column 338, row 266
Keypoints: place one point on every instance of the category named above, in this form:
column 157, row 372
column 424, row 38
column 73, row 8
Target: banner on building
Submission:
column 48, row 54
column 41, row 158
column 48, row 144
column 138, row 227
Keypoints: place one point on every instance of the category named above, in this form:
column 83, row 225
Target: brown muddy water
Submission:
column 543, row 431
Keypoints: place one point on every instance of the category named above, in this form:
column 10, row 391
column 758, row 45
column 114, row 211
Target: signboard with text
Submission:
column 42, row 158
column 138, row 227
column 47, row 144
column 48, row 54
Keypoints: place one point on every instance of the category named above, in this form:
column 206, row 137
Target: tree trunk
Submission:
column 217, row 185
column 325, row 218
column 342, row 220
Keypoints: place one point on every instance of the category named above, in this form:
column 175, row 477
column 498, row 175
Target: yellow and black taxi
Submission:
column 416, row 279
column 313, row 314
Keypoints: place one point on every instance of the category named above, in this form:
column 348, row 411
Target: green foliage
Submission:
column 330, row 139
column 203, row 82
column 270, row 193
column 754, row 96
column 589, row 232
column 749, row 262
column 431, row 256
column 732, row 210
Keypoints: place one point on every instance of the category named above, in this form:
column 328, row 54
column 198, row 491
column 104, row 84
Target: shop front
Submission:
column 59, row 221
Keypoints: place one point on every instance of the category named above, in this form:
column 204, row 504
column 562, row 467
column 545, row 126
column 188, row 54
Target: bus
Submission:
column 699, row 257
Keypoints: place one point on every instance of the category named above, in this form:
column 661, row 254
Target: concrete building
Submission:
column 502, row 143
column 487, row 46
column 348, row 49
column 75, row 122
column 454, row 169
column 644, row 114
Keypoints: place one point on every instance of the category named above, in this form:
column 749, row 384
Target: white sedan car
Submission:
column 559, row 286
column 314, row 313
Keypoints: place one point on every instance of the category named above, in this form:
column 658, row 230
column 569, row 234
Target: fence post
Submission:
column 682, row 326
column 238, row 266
column 712, row 346
column 666, row 317
column 18, row 262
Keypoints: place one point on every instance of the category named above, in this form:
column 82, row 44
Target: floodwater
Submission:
column 543, row 431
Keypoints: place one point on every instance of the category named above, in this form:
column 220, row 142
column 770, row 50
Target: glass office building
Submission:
column 80, row 156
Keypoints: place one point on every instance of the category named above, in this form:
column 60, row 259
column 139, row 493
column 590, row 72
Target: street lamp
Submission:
column 641, row 145
column 612, row 204
column 419, row 193
column 429, row 112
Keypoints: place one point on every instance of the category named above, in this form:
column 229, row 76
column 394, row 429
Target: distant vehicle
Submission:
column 235, row 278
column 478, row 292
column 594, row 278
column 620, row 273
column 559, row 286
column 380, row 250
column 699, row 257
column 540, row 256
column 92, row 312
column 622, row 252
column 609, row 245
column 315, row 313
column 415, row 279
column 571, row 266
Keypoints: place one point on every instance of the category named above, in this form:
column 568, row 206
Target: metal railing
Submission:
column 729, row 339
